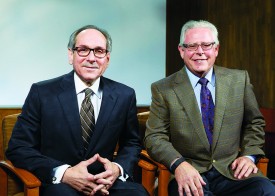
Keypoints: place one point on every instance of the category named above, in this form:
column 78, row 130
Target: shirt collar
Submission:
column 210, row 76
column 80, row 86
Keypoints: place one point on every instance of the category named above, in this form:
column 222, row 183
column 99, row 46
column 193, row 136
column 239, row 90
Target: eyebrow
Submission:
column 85, row 46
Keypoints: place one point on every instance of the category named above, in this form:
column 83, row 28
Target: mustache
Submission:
column 87, row 64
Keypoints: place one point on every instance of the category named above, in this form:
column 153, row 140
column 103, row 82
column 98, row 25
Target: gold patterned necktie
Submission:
column 87, row 118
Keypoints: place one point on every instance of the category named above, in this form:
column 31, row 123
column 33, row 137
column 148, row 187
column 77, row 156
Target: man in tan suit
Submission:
column 222, row 161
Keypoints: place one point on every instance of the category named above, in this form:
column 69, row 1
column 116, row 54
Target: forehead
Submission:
column 91, row 38
column 198, row 35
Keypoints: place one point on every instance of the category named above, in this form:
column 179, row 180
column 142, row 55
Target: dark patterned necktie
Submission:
column 207, row 109
column 87, row 118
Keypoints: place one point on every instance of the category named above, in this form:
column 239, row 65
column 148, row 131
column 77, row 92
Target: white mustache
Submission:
column 94, row 65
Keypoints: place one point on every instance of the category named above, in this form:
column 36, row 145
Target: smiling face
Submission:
column 89, row 68
column 200, row 61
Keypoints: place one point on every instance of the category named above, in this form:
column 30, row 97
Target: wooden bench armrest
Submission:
column 148, row 175
column 160, row 166
column 27, row 177
column 262, row 165
column 163, row 174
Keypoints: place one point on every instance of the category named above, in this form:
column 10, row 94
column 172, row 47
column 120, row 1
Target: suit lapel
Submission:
column 69, row 104
column 184, row 91
column 223, row 81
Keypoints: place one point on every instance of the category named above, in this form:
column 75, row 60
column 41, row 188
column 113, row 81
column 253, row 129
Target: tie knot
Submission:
column 203, row 81
column 88, row 93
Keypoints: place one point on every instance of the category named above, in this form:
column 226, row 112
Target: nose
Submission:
column 199, row 50
column 91, row 56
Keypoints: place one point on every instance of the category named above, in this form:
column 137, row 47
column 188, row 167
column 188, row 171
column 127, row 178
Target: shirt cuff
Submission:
column 252, row 157
column 58, row 173
column 123, row 177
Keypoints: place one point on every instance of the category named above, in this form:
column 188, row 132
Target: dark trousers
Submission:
column 216, row 184
column 119, row 188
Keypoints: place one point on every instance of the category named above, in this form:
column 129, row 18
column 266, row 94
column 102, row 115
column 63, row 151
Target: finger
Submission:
column 194, row 191
column 108, row 186
column 97, row 188
column 86, row 192
column 202, row 181
column 104, row 181
column 238, row 169
column 199, row 189
column 255, row 170
column 104, row 191
column 248, row 171
column 91, row 160
column 195, row 187
column 251, row 169
column 180, row 190
column 103, row 175
column 187, row 190
column 243, row 170
column 103, row 160
column 233, row 165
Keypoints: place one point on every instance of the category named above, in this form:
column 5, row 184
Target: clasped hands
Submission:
column 190, row 181
column 80, row 179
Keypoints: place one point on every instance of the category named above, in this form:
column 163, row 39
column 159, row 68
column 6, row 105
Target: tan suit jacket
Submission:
column 175, row 127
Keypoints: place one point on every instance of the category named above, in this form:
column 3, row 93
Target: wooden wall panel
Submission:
column 246, row 34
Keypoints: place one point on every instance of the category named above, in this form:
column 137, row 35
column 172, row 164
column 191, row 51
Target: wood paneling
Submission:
column 246, row 34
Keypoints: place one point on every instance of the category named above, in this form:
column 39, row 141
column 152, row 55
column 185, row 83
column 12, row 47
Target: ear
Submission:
column 217, row 50
column 181, row 51
column 70, row 56
column 108, row 56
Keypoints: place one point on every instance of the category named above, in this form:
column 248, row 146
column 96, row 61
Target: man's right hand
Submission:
column 80, row 179
column 189, row 180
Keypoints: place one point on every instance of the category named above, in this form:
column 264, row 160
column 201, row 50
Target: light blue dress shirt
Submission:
column 210, row 76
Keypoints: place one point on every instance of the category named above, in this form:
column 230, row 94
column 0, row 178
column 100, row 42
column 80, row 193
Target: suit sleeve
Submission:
column 157, row 136
column 252, row 140
column 24, row 146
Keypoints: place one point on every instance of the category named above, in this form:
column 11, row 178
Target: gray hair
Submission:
column 73, row 36
column 198, row 24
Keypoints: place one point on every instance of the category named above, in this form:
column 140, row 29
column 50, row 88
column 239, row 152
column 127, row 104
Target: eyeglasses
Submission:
column 84, row 51
column 203, row 45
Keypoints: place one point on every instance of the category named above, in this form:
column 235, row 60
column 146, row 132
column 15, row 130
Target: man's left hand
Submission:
column 243, row 167
column 110, row 174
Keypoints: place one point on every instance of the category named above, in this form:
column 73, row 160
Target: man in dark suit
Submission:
column 47, row 138
column 212, row 150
